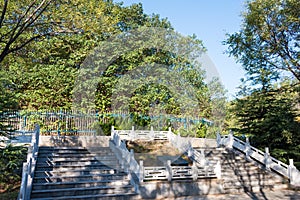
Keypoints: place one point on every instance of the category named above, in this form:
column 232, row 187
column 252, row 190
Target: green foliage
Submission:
column 269, row 38
column 267, row 46
column 41, row 72
column 269, row 119
column 11, row 159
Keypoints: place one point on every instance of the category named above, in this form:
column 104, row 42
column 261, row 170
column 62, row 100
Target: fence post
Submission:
column 218, row 139
column 141, row 172
column 131, row 159
column 217, row 169
column 294, row 174
column 152, row 133
column 132, row 133
column 202, row 158
column 267, row 158
column 169, row 133
column 112, row 132
column 169, row 170
column 190, row 153
column 194, row 171
column 247, row 148
column 230, row 140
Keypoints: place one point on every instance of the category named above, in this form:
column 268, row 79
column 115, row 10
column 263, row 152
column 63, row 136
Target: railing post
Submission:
column 190, row 153
column 23, row 188
column 132, row 137
column 194, row 171
column 217, row 169
column 169, row 170
column 247, row 149
column 131, row 159
column 169, row 133
column 293, row 174
column 218, row 139
column 152, row 133
column 112, row 132
column 202, row 158
column 230, row 140
column 123, row 162
column 141, row 172
column 267, row 158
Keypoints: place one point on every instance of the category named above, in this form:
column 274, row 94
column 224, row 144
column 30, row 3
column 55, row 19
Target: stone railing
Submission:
column 168, row 172
column 270, row 163
column 29, row 166
column 202, row 162
column 141, row 134
column 127, row 160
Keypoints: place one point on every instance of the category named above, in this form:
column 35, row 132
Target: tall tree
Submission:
column 269, row 38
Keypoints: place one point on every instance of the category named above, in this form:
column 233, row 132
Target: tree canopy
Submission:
column 267, row 46
column 45, row 43
column 269, row 38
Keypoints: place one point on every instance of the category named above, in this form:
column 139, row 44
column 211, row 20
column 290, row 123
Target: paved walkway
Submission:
column 264, row 195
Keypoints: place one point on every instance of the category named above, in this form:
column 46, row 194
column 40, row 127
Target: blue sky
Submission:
column 210, row 20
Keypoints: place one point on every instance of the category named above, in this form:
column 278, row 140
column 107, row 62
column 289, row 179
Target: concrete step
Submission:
column 75, row 154
column 253, row 188
column 82, row 191
column 76, row 172
column 75, row 178
column 76, row 163
column 237, row 183
column 127, row 196
column 74, row 159
column 102, row 165
column 78, row 184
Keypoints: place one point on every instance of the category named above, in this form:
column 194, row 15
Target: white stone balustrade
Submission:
column 264, row 158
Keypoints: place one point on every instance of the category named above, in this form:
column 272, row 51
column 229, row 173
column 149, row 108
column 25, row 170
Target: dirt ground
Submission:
column 154, row 153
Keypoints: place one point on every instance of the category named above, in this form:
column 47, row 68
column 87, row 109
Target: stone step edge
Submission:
column 89, row 196
column 82, row 189
column 83, row 170
column 80, row 176
column 81, row 182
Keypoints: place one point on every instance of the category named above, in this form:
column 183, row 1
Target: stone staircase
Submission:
column 240, row 175
column 72, row 172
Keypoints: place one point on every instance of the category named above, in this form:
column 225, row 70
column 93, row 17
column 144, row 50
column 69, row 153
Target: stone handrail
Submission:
column 169, row 172
column 142, row 134
column 181, row 143
column 270, row 163
column 29, row 166
column 128, row 162
column 205, row 169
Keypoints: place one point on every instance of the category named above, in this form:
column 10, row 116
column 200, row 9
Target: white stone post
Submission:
column 152, row 133
column 267, row 158
column 132, row 137
column 247, row 149
column 169, row 133
column 169, row 170
column 217, row 169
column 230, row 140
column 112, row 132
column 190, row 153
column 202, row 158
column 141, row 172
column 195, row 171
column 218, row 139
column 123, row 163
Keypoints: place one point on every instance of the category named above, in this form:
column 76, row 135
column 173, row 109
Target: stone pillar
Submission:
column 141, row 172
column 267, row 158
column 230, row 140
column 195, row 171
column 169, row 170
column 247, row 149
